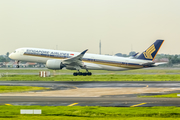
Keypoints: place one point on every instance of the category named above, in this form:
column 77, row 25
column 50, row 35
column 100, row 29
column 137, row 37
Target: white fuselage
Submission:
column 91, row 61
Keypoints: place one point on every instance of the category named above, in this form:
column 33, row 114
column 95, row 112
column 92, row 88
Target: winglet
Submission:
column 84, row 52
column 135, row 54
column 75, row 58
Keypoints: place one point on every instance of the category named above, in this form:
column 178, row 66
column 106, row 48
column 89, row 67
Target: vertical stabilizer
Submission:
column 152, row 51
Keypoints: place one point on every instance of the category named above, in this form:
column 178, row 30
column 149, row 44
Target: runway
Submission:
column 120, row 99
column 92, row 84
column 89, row 101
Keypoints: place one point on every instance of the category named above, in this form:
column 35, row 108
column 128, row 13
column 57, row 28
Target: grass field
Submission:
column 91, row 113
column 102, row 113
column 4, row 89
column 172, row 95
column 108, row 77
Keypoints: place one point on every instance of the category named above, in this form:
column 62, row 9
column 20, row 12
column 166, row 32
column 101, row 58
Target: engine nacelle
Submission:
column 54, row 64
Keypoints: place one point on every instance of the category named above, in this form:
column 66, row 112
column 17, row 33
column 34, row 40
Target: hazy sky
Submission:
column 75, row 25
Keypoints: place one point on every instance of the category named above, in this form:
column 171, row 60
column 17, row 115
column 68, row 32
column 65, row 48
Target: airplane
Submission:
column 57, row 59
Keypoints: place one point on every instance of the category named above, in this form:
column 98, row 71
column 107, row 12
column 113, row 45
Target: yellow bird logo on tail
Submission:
column 149, row 51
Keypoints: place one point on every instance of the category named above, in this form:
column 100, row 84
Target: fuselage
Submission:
column 91, row 61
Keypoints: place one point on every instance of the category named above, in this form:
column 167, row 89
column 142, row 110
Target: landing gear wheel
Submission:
column 89, row 73
column 84, row 74
column 17, row 66
column 75, row 74
column 80, row 73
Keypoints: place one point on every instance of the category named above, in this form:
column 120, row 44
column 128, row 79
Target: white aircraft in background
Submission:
column 57, row 59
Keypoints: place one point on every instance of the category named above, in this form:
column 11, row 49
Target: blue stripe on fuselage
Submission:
column 85, row 59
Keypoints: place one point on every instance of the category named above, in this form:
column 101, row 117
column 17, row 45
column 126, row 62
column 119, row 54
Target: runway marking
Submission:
column 137, row 105
column 8, row 104
column 73, row 104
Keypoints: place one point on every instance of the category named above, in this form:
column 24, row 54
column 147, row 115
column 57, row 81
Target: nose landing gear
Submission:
column 17, row 66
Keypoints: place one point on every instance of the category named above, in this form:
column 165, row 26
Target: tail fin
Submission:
column 152, row 51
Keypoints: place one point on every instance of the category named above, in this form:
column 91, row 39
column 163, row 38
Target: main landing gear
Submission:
column 17, row 66
column 82, row 73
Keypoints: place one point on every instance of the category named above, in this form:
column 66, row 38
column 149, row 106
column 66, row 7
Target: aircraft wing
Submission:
column 75, row 61
column 133, row 56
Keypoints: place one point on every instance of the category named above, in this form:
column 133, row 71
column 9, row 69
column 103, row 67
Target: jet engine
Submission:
column 54, row 64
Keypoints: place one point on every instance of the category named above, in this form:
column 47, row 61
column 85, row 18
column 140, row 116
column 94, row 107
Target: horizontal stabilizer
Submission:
column 160, row 63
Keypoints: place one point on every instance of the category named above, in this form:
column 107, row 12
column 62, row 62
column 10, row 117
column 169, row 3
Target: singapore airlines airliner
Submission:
column 57, row 59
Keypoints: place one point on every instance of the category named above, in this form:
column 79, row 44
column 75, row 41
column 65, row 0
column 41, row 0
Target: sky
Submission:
column 76, row 25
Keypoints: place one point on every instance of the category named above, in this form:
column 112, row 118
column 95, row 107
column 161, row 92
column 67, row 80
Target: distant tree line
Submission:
column 125, row 55
column 5, row 58
column 173, row 59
